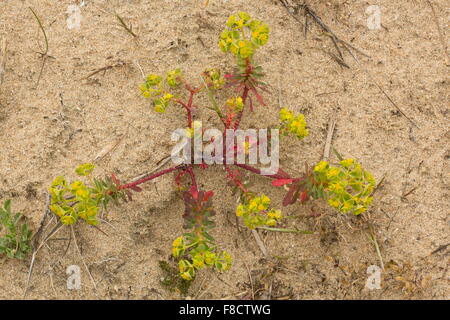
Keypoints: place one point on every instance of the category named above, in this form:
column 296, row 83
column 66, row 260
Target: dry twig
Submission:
column 3, row 60
column 331, row 126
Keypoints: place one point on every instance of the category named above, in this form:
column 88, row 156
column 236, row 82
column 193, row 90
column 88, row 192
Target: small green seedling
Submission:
column 16, row 242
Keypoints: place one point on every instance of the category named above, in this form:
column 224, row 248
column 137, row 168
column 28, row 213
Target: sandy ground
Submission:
column 51, row 123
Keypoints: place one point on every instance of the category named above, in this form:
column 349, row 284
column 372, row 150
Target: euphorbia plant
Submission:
column 345, row 185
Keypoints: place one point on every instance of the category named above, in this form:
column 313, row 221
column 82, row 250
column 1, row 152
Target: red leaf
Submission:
column 115, row 180
column 289, row 198
column 303, row 196
column 208, row 195
column 281, row 182
column 194, row 192
column 258, row 97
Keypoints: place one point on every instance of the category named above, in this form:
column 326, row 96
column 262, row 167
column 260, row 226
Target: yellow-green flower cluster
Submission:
column 73, row 201
column 236, row 103
column 295, row 124
column 238, row 21
column 260, row 32
column 348, row 187
column 161, row 104
column 234, row 38
column 255, row 212
column 201, row 256
column 153, row 88
column 173, row 78
column 214, row 78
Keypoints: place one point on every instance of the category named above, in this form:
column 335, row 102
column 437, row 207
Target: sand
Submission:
column 53, row 120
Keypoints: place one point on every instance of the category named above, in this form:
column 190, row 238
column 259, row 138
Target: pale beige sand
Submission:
column 48, row 130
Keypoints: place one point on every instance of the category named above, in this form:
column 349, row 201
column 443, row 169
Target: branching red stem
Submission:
column 258, row 171
column 150, row 177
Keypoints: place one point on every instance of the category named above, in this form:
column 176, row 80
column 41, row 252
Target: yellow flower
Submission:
column 210, row 258
column 167, row 97
column 240, row 210
column 85, row 169
column 57, row 210
column 322, row 166
column 276, row 214
column 59, row 181
column 173, row 77
column 176, row 251
column 333, row 173
column 291, row 124
column 178, row 242
column 68, row 219
column 198, row 261
column 239, row 103
column 347, row 206
column 160, row 108
column 153, row 79
column 223, row 263
column 231, row 21
column 336, row 188
column 82, row 193
column 253, row 205
column 244, row 16
column 265, row 199
column 77, row 185
column 186, row 276
column 359, row 210
column 285, row 115
column 334, row 203
column 347, row 163
column 186, row 270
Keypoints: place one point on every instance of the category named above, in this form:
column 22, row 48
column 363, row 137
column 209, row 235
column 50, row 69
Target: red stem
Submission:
column 188, row 110
column 258, row 171
column 191, row 173
column 235, row 180
column 239, row 116
column 188, row 106
column 150, row 177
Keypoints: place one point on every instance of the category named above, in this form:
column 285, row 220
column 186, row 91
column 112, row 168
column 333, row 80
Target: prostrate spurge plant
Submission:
column 345, row 185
